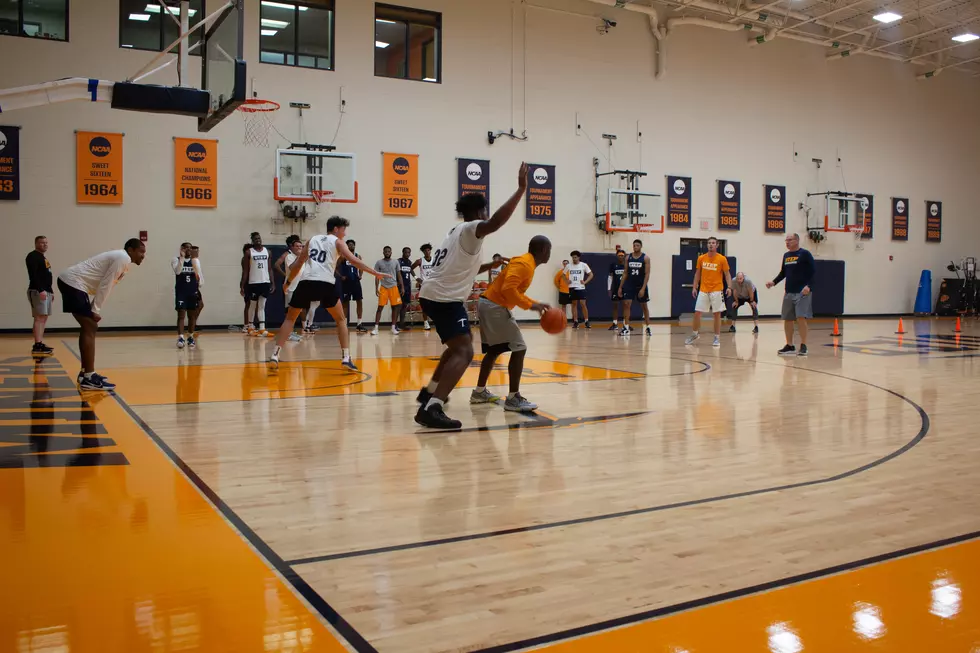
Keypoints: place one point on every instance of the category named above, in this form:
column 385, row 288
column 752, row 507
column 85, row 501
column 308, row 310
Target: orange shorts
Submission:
column 389, row 295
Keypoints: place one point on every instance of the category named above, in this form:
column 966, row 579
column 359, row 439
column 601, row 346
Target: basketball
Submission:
column 553, row 321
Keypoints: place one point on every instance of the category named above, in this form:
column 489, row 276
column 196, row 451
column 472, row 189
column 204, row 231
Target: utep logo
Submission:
column 706, row 265
column 540, row 176
column 100, row 146
column 900, row 207
column 3, row 141
column 775, row 196
column 474, row 171
column 679, row 186
column 196, row 152
column 729, row 191
column 400, row 166
column 933, row 210
column 792, row 259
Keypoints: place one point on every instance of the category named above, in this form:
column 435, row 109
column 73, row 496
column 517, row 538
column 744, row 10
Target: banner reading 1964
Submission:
column 934, row 222
column 729, row 205
column 400, row 194
column 98, row 168
column 473, row 176
column 196, row 172
column 540, row 196
column 869, row 215
column 775, row 203
column 900, row 218
column 678, row 201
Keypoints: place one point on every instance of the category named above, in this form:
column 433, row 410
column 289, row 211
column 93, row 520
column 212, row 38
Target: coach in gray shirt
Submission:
column 385, row 289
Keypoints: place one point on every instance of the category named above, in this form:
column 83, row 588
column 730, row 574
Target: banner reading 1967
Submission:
column 934, row 222
column 98, row 168
column 900, row 218
column 473, row 176
column 869, row 215
column 540, row 196
column 775, row 203
column 9, row 163
column 196, row 172
column 729, row 205
column 678, row 201
column 400, row 193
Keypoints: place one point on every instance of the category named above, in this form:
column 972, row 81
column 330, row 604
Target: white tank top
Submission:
column 454, row 265
column 290, row 259
column 323, row 259
column 258, row 268
column 425, row 268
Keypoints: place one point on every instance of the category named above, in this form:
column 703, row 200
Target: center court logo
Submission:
column 900, row 207
column 933, row 210
column 99, row 146
column 196, row 152
column 540, row 176
column 729, row 191
column 775, row 196
column 474, row 172
column 679, row 186
column 400, row 165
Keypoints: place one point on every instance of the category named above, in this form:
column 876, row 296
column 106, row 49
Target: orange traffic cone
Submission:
column 901, row 327
column 957, row 329
column 836, row 328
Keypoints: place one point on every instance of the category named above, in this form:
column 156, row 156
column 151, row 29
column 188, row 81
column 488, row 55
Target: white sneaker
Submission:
column 395, row 331
column 274, row 359
column 293, row 337
column 180, row 342
column 374, row 331
column 519, row 404
column 716, row 342
column 691, row 338
column 425, row 325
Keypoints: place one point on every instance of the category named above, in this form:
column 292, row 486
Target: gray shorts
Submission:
column 39, row 306
column 498, row 327
column 797, row 305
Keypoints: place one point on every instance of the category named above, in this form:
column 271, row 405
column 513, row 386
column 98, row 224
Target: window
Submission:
column 407, row 43
column 297, row 33
column 40, row 19
column 143, row 25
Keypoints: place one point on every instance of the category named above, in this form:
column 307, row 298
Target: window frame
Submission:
column 326, row 5
column 20, row 24
column 201, row 30
column 397, row 14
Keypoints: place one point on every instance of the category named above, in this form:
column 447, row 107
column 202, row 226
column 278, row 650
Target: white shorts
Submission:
column 710, row 302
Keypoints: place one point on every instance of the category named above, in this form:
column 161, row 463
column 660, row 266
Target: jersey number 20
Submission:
column 318, row 255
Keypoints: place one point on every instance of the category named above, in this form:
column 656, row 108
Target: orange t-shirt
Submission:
column 561, row 281
column 712, row 272
column 508, row 288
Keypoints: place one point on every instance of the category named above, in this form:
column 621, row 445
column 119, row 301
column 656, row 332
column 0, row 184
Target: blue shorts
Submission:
column 450, row 318
column 74, row 301
column 631, row 293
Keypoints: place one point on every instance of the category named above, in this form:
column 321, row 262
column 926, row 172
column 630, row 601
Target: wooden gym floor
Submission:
column 665, row 498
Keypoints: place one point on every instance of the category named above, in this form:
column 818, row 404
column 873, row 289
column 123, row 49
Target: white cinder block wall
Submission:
column 723, row 110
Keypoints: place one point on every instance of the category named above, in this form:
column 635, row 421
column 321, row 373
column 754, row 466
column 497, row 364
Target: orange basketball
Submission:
column 553, row 321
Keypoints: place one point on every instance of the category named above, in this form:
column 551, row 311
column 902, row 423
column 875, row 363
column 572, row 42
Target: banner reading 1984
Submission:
column 9, row 163
column 196, row 172
column 729, row 205
column 934, row 221
column 98, row 168
column 869, row 215
column 400, row 192
column 540, row 196
column 678, row 201
column 900, row 218
column 775, row 203
column 473, row 176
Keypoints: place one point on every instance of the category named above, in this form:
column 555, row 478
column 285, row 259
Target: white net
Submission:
column 322, row 199
column 258, row 116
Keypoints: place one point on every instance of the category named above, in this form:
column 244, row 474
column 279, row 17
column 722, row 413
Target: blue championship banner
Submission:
column 869, row 215
column 900, row 218
column 775, row 203
column 934, row 222
column 473, row 176
column 540, row 196
column 729, row 205
column 9, row 163
column 678, row 201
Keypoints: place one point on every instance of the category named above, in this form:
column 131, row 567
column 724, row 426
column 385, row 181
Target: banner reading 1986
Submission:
column 9, row 163
column 729, row 205
column 900, row 218
column 473, row 176
column 934, row 221
column 98, row 168
column 400, row 194
column 540, row 196
column 869, row 215
column 196, row 172
column 678, row 201
column 775, row 203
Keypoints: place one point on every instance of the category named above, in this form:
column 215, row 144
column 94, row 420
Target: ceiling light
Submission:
column 268, row 32
column 382, row 20
column 887, row 17
column 966, row 38
column 381, row 44
column 266, row 3
column 155, row 9
column 142, row 17
column 268, row 22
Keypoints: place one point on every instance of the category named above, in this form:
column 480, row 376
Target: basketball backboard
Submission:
column 300, row 172
column 223, row 74
column 633, row 210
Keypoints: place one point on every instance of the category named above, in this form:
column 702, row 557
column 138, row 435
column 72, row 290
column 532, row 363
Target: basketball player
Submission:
column 407, row 271
column 352, row 276
column 457, row 262
column 317, row 263
column 561, row 283
column 388, row 289
column 294, row 246
column 798, row 270
column 501, row 263
column 39, row 293
column 196, row 259
column 245, row 250
column 257, row 283
column 708, row 290
column 636, row 287
column 579, row 275
column 186, row 286
column 84, row 289
column 499, row 331
column 614, row 286
column 744, row 292
column 424, row 265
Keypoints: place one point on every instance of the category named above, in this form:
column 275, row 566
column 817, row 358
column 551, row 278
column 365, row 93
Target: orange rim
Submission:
column 254, row 106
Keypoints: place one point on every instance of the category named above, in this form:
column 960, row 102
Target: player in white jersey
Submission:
column 424, row 265
column 257, row 284
column 501, row 262
column 294, row 245
column 456, row 264
column 318, row 264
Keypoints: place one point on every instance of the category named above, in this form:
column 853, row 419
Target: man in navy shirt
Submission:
column 798, row 269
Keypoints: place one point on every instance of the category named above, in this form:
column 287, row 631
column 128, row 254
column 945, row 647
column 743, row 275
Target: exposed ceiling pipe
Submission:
column 659, row 46
column 768, row 36
column 673, row 23
column 933, row 73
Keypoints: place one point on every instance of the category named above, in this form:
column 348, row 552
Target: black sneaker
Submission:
column 588, row 325
column 731, row 329
column 613, row 327
column 435, row 418
column 424, row 396
column 96, row 382
column 755, row 330
column 802, row 350
column 574, row 325
column 41, row 349
column 788, row 350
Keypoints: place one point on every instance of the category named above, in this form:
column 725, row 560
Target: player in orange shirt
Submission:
column 561, row 283
column 499, row 331
column 711, row 268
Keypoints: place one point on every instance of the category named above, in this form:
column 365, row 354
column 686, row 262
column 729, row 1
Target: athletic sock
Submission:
column 276, row 351
column 435, row 402
column 431, row 387
column 345, row 354
column 695, row 333
column 511, row 395
column 261, row 326
column 480, row 389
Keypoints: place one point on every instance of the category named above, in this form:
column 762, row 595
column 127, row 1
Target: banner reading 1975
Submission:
column 400, row 193
column 540, row 196
column 729, row 205
column 98, row 168
column 869, row 215
column 775, row 203
column 678, row 201
column 473, row 176
column 196, row 172
column 900, row 218
column 934, row 222
column 9, row 163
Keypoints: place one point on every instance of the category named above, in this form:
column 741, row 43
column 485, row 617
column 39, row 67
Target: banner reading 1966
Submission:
column 775, row 203
column 9, row 163
column 98, row 168
column 400, row 193
column 729, row 205
column 678, row 201
column 934, row 222
column 540, row 196
column 869, row 215
column 473, row 176
column 196, row 172
column 900, row 218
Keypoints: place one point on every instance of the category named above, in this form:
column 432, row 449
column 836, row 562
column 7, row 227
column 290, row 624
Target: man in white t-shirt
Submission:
column 84, row 288
column 579, row 274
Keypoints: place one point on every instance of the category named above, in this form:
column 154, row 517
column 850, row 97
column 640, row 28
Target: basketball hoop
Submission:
column 258, row 116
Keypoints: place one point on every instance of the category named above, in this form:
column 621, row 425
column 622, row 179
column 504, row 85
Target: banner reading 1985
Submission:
column 9, row 163
column 678, row 201
column 540, row 196
column 400, row 193
column 196, row 172
column 775, row 203
column 729, row 205
column 869, row 215
column 900, row 218
column 98, row 168
column 934, row 221
column 473, row 176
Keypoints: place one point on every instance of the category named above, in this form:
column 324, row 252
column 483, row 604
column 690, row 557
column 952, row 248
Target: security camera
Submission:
column 491, row 137
column 606, row 26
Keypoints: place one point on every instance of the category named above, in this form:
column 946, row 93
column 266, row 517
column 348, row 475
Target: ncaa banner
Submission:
column 934, row 221
column 868, row 204
column 400, row 192
column 9, row 163
column 540, row 196
column 775, row 203
column 98, row 168
column 729, row 205
column 900, row 218
column 678, row 202
column 473, row 176
column 196, row 172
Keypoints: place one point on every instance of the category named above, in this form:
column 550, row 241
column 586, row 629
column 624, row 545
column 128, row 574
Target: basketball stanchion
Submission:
column 901, row 327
